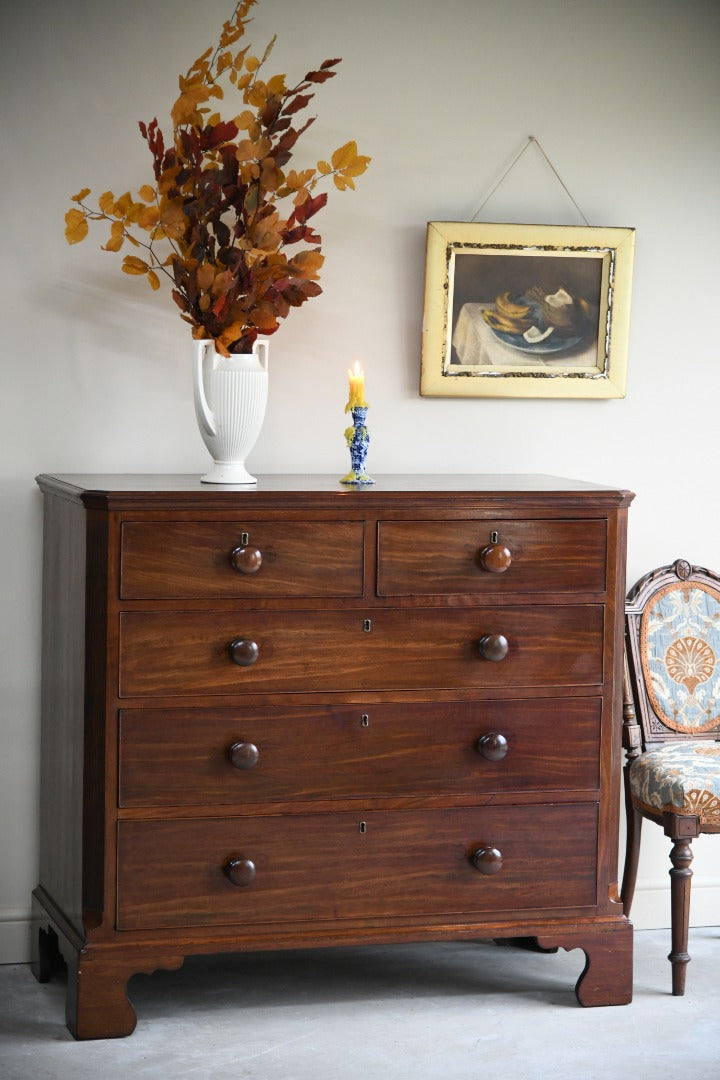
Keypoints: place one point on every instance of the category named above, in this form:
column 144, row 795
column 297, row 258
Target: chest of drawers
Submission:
column 299, row 715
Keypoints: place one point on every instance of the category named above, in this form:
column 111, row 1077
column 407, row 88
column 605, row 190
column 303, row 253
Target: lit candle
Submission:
column 357, row 388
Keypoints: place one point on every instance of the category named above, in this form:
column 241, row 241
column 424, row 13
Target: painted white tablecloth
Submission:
column 477, row 346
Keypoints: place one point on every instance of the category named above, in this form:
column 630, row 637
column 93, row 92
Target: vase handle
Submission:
column 205, row 418
column 260, row 349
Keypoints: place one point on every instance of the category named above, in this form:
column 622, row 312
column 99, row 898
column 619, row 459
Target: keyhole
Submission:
column 367, row 625
column 244, row 539
column 494, row 537
column 364, row 720
column 362, row 827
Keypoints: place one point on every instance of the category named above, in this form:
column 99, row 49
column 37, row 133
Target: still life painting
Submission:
column 526, row 310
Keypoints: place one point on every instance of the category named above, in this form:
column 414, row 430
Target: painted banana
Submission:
column 510, row 309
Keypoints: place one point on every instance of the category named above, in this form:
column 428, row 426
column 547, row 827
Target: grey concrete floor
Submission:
column 442, row 1011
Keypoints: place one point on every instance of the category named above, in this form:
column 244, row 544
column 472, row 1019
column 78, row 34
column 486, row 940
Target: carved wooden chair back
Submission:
column 672, row 725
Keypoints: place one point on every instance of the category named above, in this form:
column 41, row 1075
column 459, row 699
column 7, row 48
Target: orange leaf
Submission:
column 133, row 265
column 117, row 235
column 205, row 276
column 147, row 193
column 148, row 217
column 76, row 226
column 106, row 202
column 307, row 264
column 172, row 220
column 153, row 279
column 245, row 120
column 81, row 195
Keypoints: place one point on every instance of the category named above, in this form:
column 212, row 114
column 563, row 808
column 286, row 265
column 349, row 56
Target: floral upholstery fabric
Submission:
column 680, row 652
column 681, row 776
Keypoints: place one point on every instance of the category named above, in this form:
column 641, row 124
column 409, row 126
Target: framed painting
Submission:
column 526, row 310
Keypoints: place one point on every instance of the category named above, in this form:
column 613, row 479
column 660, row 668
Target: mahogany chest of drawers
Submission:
column 301, row 715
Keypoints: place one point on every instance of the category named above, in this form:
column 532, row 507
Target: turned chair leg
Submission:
column 681, row 831
column 632, row 852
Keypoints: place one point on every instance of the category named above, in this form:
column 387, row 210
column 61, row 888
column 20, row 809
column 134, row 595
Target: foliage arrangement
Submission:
column 217, row 196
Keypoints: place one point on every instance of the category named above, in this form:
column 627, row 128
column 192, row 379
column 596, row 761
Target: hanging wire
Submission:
column 529, row 142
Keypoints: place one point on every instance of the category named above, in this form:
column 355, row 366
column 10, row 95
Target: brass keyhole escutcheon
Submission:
column 362, row 827
column 364, row 720
column 495, row 557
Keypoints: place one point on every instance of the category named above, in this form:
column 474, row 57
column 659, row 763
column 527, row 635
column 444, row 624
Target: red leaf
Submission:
column 223, row 132
column 306, row 210
column 297, row 103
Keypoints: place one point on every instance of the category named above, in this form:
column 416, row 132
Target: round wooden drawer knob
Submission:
column 244, row 755
column 240, row 872
column 493, row 647
column 492, row 746
column 488, row 860
column 244, row 651
column 246, row 560
column 495, row 558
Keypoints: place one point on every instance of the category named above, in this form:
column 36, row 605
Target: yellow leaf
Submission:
column 106, row 202
column 324, row 167
column 81, row 195
column 147, row 193
column 257, row 95
column 76, row 226
column 252, row 63
column 276, row 85
column 344, row 155
column 133, row 265
column 123, row 205
column 340, row 182
column 357, row 167
column 153, row 279
column 184, row 110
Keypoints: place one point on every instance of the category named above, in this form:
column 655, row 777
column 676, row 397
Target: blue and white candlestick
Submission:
column 358, row 440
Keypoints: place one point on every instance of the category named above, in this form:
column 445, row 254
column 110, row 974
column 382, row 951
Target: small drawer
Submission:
column 272, row 652
column 423, row 558
column 301, row 868
column 192, row 757
column 228, row 559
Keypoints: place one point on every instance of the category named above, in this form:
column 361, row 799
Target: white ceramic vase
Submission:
column 230, row 401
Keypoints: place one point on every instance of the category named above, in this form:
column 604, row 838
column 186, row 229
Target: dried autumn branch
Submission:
column 214, row 222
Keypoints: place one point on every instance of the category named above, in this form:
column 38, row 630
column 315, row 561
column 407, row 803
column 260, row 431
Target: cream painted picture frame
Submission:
column 526, row 310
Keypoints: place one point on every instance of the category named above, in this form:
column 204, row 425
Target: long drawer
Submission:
column 346, row 866
column 189, row 757
column 421, row 558
column 241, row 559
column 190, row 652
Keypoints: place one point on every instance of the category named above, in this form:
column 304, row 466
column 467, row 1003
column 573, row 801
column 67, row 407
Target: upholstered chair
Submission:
column 672, row 727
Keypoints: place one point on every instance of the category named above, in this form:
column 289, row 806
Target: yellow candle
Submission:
column 357, row 388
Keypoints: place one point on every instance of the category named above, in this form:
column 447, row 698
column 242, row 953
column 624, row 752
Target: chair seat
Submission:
column 682, row 777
